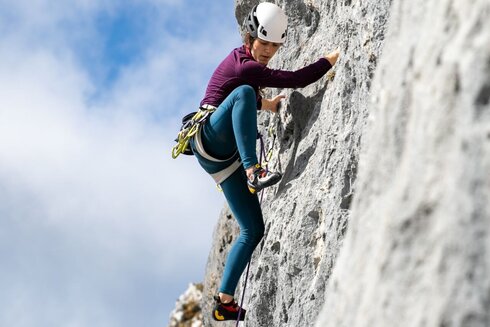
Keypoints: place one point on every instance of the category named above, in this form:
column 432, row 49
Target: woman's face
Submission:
column 263, row 51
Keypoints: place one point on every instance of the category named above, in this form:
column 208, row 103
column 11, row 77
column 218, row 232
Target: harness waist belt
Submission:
column 220, row 176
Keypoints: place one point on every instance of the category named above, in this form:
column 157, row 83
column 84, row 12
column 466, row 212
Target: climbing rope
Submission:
column 189, row 129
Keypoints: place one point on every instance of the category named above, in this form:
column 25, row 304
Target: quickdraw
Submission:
column 272, row 133
column 189, row 129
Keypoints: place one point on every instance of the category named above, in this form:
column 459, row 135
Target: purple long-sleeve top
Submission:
column 239, row 68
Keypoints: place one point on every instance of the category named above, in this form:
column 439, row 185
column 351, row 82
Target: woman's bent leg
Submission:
column 246, row 209
column 234, row 125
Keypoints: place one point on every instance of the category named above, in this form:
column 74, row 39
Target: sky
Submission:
column 99, row 226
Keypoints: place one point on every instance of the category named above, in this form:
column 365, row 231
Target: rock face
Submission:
column 383, row 214
column 417, row 252
column 187, row 312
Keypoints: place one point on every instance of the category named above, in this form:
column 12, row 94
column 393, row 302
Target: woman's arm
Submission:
column 262, row 76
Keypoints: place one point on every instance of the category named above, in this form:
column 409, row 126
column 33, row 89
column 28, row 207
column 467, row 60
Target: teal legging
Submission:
column 234, row 125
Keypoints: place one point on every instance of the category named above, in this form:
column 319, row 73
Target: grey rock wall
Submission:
column 405, row 243
column 417, row 252
column 188, row 312
column 317, row 148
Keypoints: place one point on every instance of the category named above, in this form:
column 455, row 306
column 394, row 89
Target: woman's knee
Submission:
column 245, row 92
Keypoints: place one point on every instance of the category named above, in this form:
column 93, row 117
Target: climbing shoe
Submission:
column 261, row 179
column 227, row 311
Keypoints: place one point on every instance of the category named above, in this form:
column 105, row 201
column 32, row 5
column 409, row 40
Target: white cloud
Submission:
column 98, row 224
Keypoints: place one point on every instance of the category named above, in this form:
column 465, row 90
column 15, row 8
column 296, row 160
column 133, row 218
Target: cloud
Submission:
column 99, row 226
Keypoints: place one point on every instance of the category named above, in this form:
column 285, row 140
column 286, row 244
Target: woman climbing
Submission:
column 225, row 146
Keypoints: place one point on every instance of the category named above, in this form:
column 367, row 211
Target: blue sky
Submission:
column 95, row 223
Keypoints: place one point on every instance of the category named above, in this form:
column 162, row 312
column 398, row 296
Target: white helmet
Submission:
column 268, row 22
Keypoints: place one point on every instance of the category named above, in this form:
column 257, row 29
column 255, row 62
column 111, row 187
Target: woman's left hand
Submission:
column 272, row 104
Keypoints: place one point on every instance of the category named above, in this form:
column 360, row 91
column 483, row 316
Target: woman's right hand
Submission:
column 333, row 56
column 272, row 104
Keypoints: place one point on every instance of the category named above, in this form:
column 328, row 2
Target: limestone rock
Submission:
column 417, row 252
column 317, row 148
column 187, row 312
column 383, row 214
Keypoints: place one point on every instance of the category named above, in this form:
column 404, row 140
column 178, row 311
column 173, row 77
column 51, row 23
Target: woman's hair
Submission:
column 248, row 40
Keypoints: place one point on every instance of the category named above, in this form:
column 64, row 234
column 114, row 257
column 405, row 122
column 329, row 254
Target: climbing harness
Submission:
column 220, row 176
column 191, row 127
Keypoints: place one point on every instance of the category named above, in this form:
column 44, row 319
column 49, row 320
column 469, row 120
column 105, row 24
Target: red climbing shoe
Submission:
column 227, row 311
